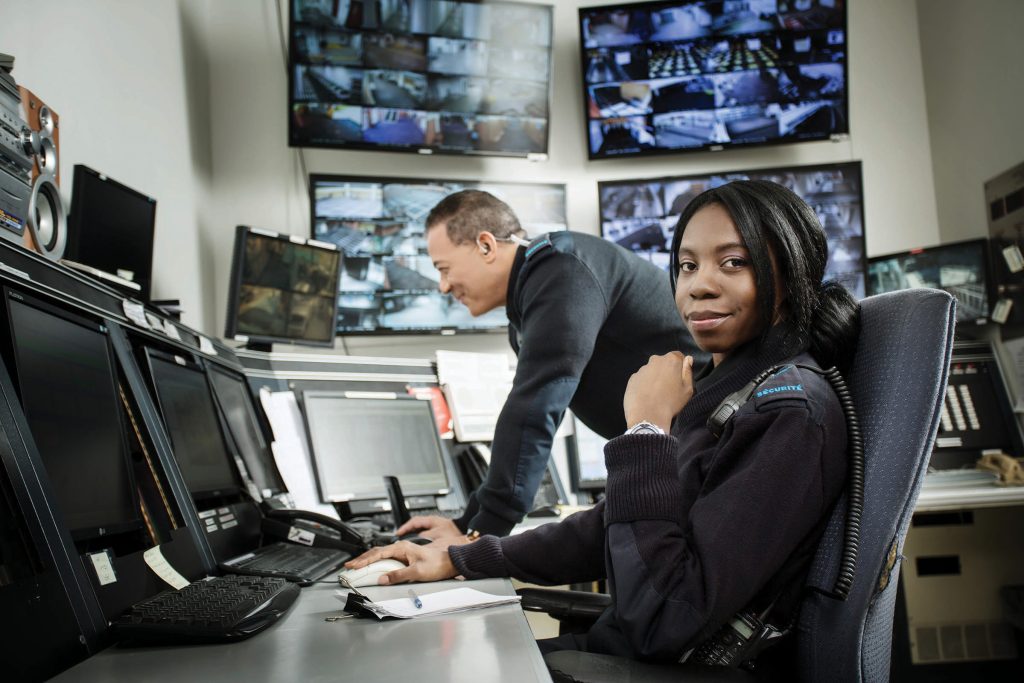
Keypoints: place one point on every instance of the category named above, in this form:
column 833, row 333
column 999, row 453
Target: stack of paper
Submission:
column 476, row 386
column 442, row 602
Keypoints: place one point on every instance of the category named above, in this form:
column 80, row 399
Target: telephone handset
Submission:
column 313, row 529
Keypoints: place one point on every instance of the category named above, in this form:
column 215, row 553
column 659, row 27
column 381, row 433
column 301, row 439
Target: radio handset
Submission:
column 313, row 529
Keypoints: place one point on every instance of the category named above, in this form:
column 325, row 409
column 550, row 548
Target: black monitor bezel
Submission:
column 715, row 147
column 292, row 61
column 315, row 459
column 315, row 179
column 235, row 283
column 809, row 168
column 92, row 531
column 983, row 243
column 200, row 498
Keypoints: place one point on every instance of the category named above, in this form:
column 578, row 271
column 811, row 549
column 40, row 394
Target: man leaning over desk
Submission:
column 584, row 315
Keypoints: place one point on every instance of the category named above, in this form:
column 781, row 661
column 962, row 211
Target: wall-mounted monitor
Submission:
column 420, row 76
column 960, row 268
column 388, row 283
column 664, row 77
column 283, row 289
column 641, row 215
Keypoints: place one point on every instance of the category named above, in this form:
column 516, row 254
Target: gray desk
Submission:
column 967, row 498
column 493, row 644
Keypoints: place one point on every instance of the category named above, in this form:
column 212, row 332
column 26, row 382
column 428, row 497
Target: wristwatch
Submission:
column 645, row 427
column 472, row 535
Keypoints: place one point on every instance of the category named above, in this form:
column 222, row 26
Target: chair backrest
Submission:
column 898, row 382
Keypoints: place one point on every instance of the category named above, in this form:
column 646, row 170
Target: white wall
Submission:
column 973, row 55
column 187, row 101
column 115, row 73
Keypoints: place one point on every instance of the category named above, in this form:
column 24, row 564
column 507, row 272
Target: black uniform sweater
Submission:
column 584, row 315
column 693, row 528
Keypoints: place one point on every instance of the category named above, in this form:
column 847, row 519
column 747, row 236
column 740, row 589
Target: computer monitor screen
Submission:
column 283, row 289
column 641, row 215
column 662, row 77
column 420, row 76
column 232, row 394
column 388, row 283
column 960, row 269
column 69, row 394
column 191, row 420
column 357, row 441
column 110, row 227
column 586, row 459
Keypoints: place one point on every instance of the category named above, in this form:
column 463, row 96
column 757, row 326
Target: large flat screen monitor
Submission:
column 586, row 459
column 641, row 215
column 678, row 76
column 68, row 387
column 192, row 425
column 388, row 283
column 960, row 269
column 357, row 441
column 111, row 227
column 420, row 76
column 283, row 289
column 240, row 415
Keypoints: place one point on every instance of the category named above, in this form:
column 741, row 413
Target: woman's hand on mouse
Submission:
column 425, row 563
column 659, row 390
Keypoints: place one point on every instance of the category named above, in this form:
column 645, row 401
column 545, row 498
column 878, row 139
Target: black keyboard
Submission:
column 217, row 609
column 298, row 563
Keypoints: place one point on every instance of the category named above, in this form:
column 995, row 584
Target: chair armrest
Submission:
column 563, row 604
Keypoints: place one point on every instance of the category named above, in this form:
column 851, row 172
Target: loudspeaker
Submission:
column 47, row 220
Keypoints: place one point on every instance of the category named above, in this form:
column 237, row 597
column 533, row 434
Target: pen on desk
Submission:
column 415, row 599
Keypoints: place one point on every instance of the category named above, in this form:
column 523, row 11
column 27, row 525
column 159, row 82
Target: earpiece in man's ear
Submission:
column 484, row 249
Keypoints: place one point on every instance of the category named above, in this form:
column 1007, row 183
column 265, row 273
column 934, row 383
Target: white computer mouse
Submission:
column 368, row 575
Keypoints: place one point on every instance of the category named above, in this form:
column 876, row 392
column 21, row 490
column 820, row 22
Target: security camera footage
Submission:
column 959, row 269
column 674, row 76
column 388, row 283
column 641, row 215
column 285, row 290
column 406, row 75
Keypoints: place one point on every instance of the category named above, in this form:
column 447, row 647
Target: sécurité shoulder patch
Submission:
column 786, row 384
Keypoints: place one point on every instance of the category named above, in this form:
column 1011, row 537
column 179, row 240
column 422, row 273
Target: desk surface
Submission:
column 938, row 499
column 493, row 644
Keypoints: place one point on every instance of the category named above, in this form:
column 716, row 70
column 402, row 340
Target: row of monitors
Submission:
column 468, row 77
column 369, row 237
column 73, row 397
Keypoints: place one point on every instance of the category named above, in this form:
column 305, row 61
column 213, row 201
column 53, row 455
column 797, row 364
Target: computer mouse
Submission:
column 368, row 575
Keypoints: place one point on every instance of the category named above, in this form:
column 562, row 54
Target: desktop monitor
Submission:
column 236, row 403
column 667, row 77
column 190, row 416
column 357, row 441
column 69, row 393
column 283, row 289
column 641, row 215
column 586, row 459
column 110, row 228
column 420, row 76
column 960, row 269
column 388, row 283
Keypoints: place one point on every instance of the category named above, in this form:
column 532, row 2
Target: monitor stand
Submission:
column 262, row 347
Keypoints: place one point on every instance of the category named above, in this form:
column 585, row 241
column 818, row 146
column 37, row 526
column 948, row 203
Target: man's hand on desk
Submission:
column 425, row 563
column 432, row 527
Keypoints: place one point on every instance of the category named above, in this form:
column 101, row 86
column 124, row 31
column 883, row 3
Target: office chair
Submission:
column 898, row 382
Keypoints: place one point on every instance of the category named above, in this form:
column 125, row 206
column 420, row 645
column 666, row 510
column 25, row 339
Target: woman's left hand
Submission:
column 659, row 390
column 424, row 562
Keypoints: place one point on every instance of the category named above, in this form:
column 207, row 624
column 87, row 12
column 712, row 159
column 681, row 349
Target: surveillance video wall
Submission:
column 406, row 75
column 388, row 283
column 641, row 215
column 674, row 76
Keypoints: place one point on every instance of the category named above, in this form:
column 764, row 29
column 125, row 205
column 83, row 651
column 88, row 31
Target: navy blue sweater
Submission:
column 584, row 315
column 693, row 528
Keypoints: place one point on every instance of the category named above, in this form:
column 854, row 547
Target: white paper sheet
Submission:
column 442, row 602
column 291, row 450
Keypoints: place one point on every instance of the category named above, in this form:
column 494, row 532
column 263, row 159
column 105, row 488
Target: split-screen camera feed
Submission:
column 958, row 268
column 406, row 75
column 388, row 282
column 286, row 290
column 641, row 215
column 675, row 76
